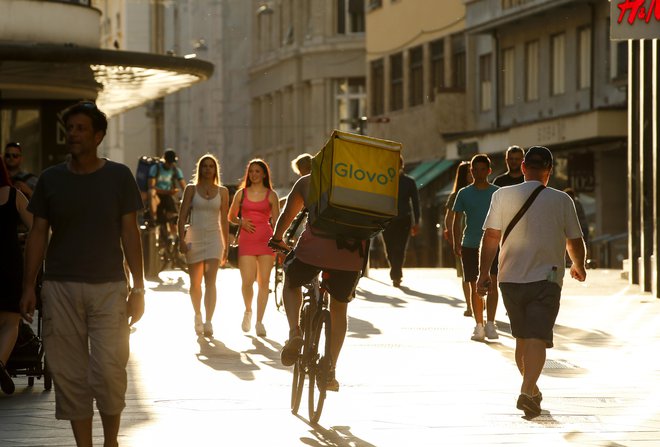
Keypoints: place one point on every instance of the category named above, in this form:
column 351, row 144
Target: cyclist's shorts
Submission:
column 341, row 284
column 166, row 211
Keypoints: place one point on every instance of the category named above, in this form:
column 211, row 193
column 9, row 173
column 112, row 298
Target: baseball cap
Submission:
column 170, row 156
column 538, row 157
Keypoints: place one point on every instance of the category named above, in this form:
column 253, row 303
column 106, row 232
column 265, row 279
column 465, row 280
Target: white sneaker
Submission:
column 208, row 329
column 247, row 321
column 479, row 333
column 491, row 330
column 199, row 326
column 260, row 328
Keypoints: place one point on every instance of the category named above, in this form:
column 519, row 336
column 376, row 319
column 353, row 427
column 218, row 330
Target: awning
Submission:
column 427, row 171
column 117, row 80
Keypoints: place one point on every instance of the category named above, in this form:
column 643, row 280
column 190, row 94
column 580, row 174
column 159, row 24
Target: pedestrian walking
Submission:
column 90, row 204
column 204, row 237
column 473, row 202
column 531, row 272
column 255, row 208
column 404, row 225
column 13, row 209
column 513, row 176
column 22, row 180
column 461, row 180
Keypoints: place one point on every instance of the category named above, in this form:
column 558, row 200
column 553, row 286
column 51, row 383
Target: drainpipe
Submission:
column 496, row 58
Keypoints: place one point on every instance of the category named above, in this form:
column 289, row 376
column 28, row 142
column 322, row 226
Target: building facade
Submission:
column 545, row 73
column 306, row 78
column 52, row 57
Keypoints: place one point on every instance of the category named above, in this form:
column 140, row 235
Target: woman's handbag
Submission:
column 232, row 252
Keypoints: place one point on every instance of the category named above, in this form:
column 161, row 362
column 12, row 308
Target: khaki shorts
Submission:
column 86, row 342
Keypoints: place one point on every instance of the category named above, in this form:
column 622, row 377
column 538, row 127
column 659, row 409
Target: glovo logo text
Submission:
column 363, row 175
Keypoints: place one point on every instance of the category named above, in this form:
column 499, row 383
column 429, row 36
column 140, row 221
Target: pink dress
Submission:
column 256, row 244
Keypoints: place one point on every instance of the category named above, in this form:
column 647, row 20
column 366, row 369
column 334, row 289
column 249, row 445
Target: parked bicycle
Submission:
column 315, row 359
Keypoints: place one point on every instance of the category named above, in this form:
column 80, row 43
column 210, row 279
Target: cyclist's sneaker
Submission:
column 529, row 405
column 396, row 283
column 199, row 326
column 491, row 331
column 479, row 333
column 247, row 321
column 467, row 313
column 208, row 329
column 260, row 328
column 332, row 384
column 291, row 350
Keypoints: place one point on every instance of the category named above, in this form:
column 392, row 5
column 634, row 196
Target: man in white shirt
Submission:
column 531, row 265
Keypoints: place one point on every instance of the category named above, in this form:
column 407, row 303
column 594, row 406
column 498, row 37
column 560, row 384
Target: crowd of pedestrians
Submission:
column 93, row 297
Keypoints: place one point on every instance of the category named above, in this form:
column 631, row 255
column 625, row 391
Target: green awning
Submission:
column 427, row 171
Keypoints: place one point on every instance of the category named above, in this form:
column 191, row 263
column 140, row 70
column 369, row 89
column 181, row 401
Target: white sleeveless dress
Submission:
column 203, row 234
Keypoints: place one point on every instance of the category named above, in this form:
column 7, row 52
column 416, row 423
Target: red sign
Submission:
column 638, row 10
column 634, row 19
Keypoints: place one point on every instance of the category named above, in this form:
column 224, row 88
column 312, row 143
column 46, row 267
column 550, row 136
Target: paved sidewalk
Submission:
column 409, row 374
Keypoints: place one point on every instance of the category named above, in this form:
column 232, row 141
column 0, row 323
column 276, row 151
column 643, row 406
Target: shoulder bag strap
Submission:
column 240, row 208
column 522, row 211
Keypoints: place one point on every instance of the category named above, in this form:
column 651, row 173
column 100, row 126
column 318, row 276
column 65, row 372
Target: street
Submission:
column 408, row 374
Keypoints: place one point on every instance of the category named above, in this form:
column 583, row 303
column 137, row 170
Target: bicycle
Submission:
column 315, row 360
column 290, row 237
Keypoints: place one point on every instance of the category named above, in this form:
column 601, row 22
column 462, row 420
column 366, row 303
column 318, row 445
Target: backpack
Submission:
column 142, row 173
column 354, row 186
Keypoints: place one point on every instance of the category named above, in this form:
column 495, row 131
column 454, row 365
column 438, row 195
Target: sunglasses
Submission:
column 8, row 155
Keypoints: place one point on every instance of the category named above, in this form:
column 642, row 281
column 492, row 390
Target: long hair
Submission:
column 5, row 180
column 246, row 178
column 216, row 177
column 461, row 179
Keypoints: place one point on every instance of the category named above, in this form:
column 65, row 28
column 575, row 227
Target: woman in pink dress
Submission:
column 259, row 207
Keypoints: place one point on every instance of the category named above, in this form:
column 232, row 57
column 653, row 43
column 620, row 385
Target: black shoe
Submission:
column 396, row 282
column 529, row 405
column 6, row 384
column 538, row 398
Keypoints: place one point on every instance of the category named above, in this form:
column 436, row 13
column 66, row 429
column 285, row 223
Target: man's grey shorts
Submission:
column 86, row 339
column 532, row 308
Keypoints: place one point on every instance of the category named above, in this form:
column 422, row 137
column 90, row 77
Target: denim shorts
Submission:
column 532, row 308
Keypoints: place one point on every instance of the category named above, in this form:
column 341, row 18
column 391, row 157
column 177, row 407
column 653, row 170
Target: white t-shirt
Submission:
column 538, row 241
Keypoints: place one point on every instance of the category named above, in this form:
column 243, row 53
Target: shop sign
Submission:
column 634, row 19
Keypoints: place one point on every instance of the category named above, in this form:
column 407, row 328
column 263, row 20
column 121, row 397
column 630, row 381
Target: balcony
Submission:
column 71, row 22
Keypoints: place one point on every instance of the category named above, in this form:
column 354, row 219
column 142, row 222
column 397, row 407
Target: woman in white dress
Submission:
column 203, row 236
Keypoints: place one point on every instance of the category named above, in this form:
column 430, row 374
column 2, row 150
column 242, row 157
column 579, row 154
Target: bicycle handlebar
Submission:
column 275, row 246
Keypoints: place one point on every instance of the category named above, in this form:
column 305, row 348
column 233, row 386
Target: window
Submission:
column 396, row 81
column 377, row 87
column 485, row 82
column 350, row 16
column 532, row 71
column 558, row 64
column 508, row 76
column 619, row 60
column 373, row 4
column 416, row 76
column 351, row 100
column 437, row 66
column 458, row 61
column 584, row 58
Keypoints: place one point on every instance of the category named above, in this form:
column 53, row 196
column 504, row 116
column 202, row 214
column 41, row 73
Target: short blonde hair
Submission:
column 301, row 162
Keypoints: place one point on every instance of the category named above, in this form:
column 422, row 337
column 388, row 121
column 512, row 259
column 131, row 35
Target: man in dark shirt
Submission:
column 397, row 231
column 90, row 204
column 23, row 181
column 513, row 175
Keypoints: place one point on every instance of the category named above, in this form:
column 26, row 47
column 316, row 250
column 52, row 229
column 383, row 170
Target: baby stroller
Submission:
column 27, row 358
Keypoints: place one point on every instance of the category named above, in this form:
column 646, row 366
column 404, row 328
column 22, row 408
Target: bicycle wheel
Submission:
column 298, row 380
column 319, row 365
column 278, row 285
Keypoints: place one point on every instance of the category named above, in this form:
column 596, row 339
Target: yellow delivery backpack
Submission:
column 354, row 186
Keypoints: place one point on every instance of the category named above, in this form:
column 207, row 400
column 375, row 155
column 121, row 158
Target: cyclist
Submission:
column 165, row 182
column 314, row 251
